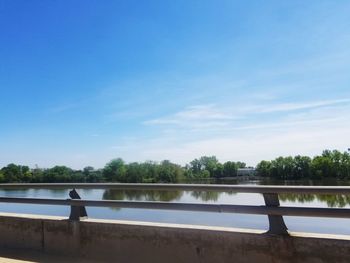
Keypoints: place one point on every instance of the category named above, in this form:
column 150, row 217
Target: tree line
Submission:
column 118, row 171
column 330, row 164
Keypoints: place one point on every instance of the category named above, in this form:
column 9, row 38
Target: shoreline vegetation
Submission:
column 329, row 165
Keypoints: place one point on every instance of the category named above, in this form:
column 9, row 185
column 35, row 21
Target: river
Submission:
column 303, row 224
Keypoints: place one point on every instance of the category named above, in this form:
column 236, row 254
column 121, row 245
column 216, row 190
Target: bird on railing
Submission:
column 77, row 212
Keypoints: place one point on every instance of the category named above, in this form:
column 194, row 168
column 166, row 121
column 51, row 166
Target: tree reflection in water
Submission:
column 330, row 200
column 206, row 195
column 142, row 195
column 156, row 195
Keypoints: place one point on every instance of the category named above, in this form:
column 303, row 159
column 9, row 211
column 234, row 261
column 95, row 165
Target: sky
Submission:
column 83, row 82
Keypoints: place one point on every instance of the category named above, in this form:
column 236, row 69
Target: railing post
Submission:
column 76, row 212
column 276, row 222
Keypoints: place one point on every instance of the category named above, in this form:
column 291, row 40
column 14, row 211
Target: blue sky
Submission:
column 83, row 82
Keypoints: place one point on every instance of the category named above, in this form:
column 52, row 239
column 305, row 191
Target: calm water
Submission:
column 316, row 225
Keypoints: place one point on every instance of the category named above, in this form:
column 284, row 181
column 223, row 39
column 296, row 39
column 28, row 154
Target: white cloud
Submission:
column 320, row 125
column 209, row 116
column 198, row 116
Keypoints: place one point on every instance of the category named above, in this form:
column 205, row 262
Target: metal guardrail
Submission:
column 272, row 207
column 262, row 189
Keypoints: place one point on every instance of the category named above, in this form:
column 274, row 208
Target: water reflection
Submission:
column 330, row 200
column 214, row 196
column 304, row 182
column 157, row 195
column 206, row 196
column 142, row 195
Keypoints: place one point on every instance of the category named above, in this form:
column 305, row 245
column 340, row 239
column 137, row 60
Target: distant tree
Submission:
column 58, row 174
column 230, row 169
column 170, row 172
column 37, row 175
column 345, row 165
column 134, row 173
column 91, row 175
column 302, row 167
column 321, row 167
column 195, row 167
column 210, row 164
column 150, row 171
column 330, row 164
column 204, row 174
column 241, row 164
column 282, row 167
column 16, row 173
column 264, row 169
column 115, row 171
column 204, row 167
column 88, row 170
column 2, row 177
column 218, row 170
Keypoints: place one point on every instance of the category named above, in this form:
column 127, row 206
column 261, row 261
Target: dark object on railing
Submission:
column 76, row 212
column 276, row 222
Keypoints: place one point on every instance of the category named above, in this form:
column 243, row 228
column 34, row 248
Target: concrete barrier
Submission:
column 126, row 241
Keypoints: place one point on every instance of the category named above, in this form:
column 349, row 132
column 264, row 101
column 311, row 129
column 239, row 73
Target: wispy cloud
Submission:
column 195, row 116
column 204, row 115
column 299, row 106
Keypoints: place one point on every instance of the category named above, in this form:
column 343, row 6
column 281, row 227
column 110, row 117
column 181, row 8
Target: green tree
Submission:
column 58, row 174
column 37, row 175
column 219, row 170
column 170, row 172
column 195, row 168
column 134, row 173
column 150, row 171
column 91, row 175
column 282, row 167
column 302, row 166
column 16, row 173
column 241, row 164
column 115, row 171
column 264, row 169
column 230, row 169
column 2, row 177
column 321, row 167
column 210, row 164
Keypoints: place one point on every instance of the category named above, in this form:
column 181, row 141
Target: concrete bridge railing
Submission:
column 127, row 241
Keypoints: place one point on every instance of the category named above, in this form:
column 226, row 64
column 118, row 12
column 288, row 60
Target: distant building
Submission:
column 246, row 171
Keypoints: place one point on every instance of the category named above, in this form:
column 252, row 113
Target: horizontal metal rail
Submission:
column 263, row 189
column 218, row 208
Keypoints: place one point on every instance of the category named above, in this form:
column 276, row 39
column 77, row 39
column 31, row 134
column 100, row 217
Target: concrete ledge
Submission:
column 127, row 241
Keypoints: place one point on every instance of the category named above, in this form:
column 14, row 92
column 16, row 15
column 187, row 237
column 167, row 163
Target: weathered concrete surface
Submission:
column 35, row 256
column 126, row 241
